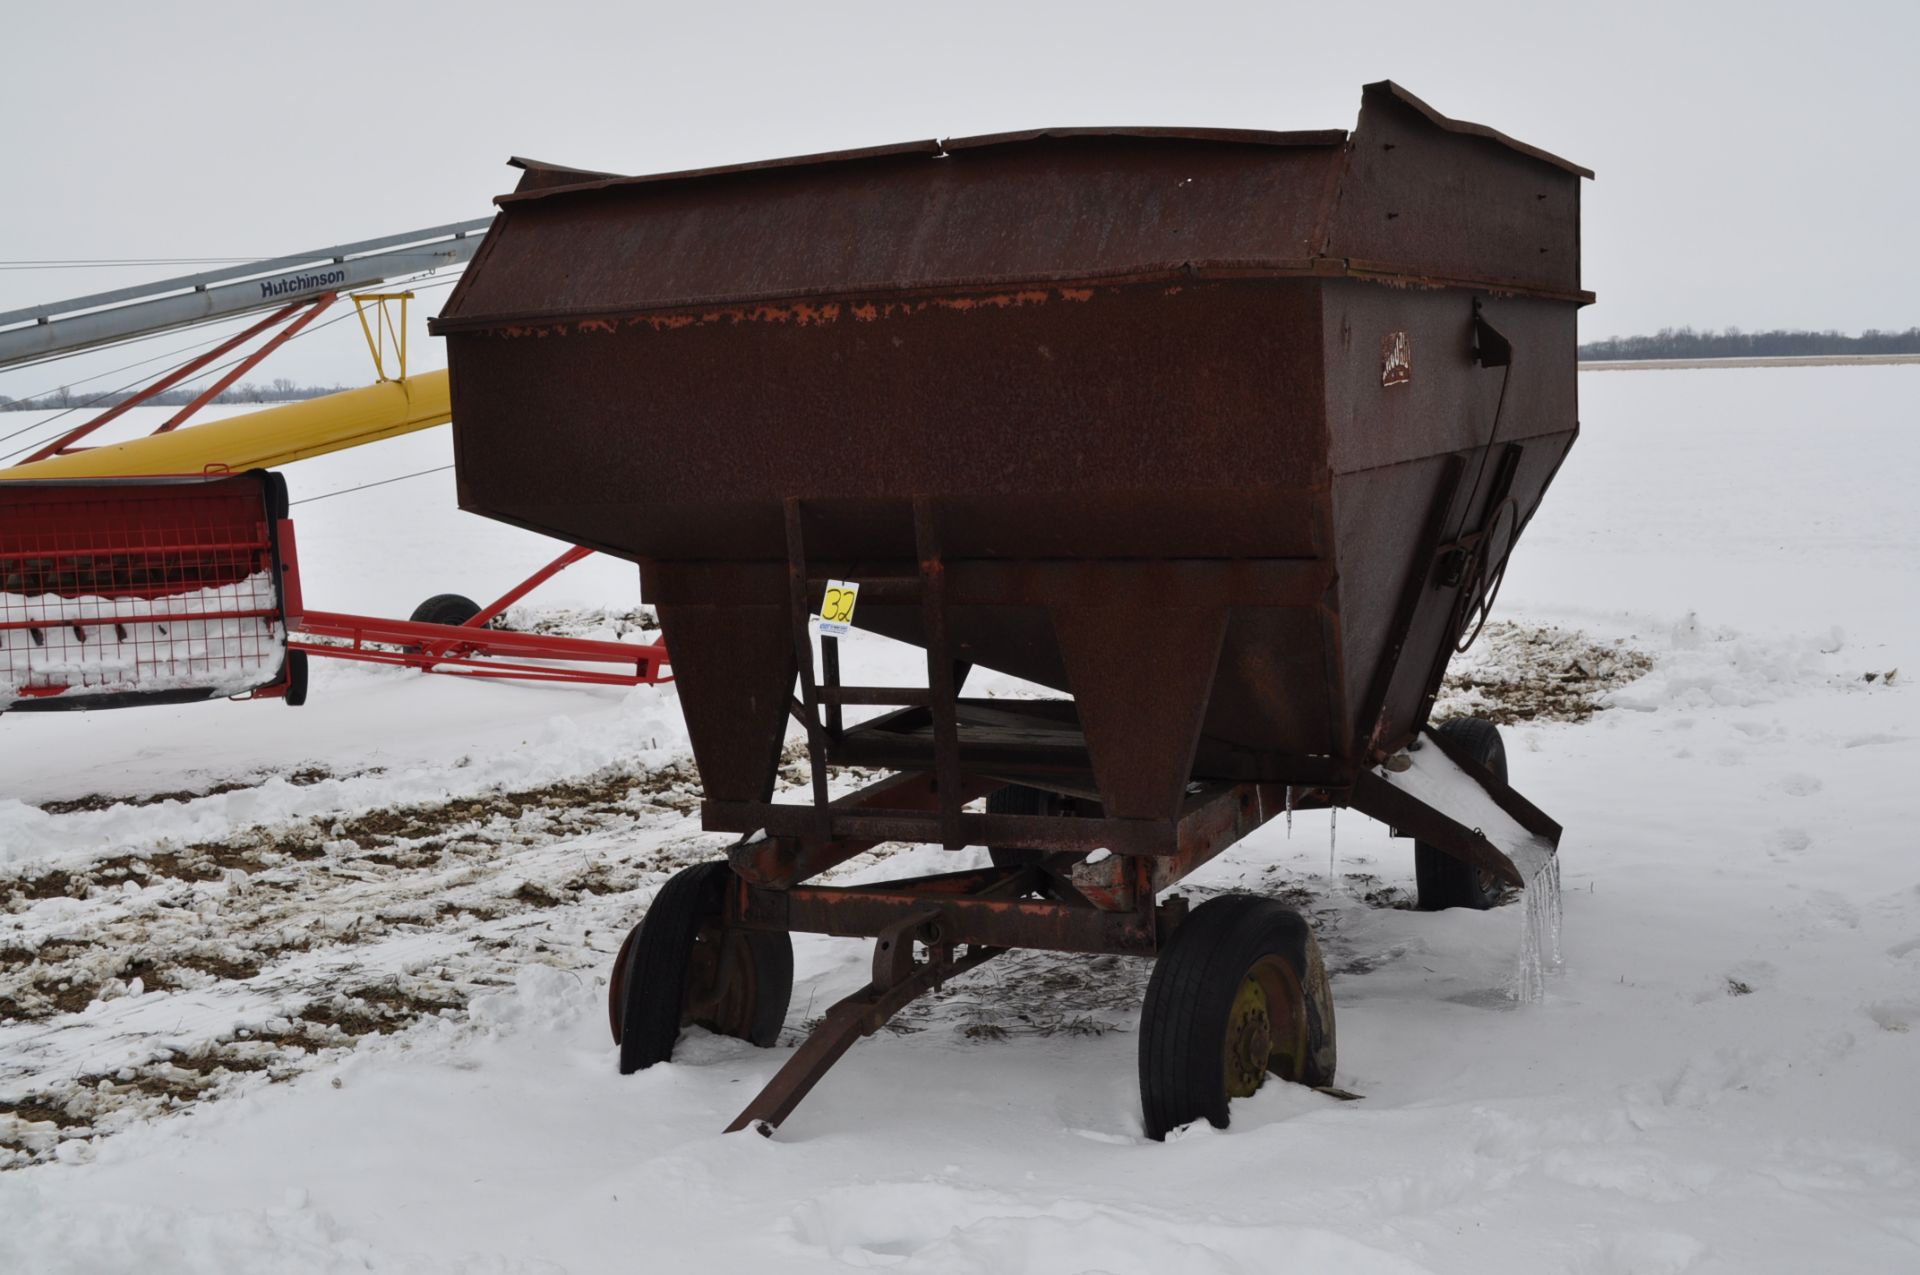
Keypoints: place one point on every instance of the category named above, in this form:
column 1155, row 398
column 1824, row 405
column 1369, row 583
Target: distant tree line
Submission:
column 1685, row 343
column 279, row 390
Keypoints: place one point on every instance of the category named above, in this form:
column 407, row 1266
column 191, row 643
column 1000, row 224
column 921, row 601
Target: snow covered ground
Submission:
column 335, row 1000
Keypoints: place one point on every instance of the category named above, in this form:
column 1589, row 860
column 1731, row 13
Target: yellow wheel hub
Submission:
column 1249, row 1042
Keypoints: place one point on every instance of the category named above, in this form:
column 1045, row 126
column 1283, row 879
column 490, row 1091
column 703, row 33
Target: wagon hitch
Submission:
column 898, row 980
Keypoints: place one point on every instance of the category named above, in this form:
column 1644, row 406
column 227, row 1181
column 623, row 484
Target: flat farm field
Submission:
column 324, row 990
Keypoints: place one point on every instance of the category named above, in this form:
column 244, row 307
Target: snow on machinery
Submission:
column 127, row 591
column 77, row 504
column 1226, row 435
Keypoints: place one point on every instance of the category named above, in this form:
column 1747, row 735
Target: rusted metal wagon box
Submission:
column 1225, row 434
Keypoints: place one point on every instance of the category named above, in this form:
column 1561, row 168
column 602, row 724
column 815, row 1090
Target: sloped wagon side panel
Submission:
column 1225, row 434
column 1212, row 424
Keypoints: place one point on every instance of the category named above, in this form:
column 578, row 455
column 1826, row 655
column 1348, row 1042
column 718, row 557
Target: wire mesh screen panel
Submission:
column 128, row 590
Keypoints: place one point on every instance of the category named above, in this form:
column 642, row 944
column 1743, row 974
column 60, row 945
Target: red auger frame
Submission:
column 122, row 591
column 459, row 648
column 117, row 592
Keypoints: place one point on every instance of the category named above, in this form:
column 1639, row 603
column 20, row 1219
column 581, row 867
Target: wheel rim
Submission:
column 721, row 991
column 1266, row 1028
column 1486, row 882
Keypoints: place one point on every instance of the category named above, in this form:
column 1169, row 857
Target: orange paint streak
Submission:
column 808, row 314
column 997, row 301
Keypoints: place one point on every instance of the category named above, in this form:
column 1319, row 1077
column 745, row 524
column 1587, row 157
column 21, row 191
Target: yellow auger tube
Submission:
column 264, row 439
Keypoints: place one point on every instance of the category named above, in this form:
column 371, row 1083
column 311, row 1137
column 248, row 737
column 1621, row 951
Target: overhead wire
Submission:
column 110, row 263
column 117, row 342
column 381, row 482
column 100, row 398
column 183, row 349
column 201, row 323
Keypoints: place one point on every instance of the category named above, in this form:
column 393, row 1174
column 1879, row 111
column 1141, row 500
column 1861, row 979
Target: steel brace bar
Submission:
column 861, row 1014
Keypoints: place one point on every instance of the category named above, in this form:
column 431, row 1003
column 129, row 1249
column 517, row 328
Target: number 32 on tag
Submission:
column 836, row 609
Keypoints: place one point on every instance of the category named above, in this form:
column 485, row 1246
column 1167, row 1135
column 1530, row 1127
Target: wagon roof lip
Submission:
column 1233, row 136
column 930, row 148
column 568, row 170
column 1464, row 127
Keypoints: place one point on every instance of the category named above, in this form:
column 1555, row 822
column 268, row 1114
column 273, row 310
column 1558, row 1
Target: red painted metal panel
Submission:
column 125, row 591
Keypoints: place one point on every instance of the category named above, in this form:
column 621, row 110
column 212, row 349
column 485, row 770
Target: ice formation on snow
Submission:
column 1540, row 931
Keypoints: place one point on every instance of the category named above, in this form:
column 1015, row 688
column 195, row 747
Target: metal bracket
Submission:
column 1490, row 349
column 384, row 332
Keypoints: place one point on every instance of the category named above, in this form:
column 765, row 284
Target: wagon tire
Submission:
column 1018, row 799
column 1440, row 880
column 617, row 984
column 682, row 967
column 445, row 608
column 296, row 679
column 1238, row 994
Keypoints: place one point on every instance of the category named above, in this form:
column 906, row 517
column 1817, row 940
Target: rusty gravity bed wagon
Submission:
column 1226, row 435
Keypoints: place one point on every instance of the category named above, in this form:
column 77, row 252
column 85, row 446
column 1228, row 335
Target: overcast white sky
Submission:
column 1755, row 161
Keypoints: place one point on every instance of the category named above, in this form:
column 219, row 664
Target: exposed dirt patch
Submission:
column 351, row 1017
column 31, row 1126
column 317, row 934
column 1524, row 673
column 36, row 1111
column 412, row 1001
column 1028, row 993
column 211, row 1062
column 48, row 885
column 405, row 837
column 100, row 801
column 304, row 777
column 215, row 965
column 1375, row 893
column 538, row 896
column 247, row 854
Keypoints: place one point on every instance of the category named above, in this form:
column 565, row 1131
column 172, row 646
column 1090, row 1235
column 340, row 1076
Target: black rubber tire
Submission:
column 1440, row 880
column 445, row 608
column 296, row 679
column 647, row 1002
column 1018, row 799
column 617, row 983
column 1191, row 998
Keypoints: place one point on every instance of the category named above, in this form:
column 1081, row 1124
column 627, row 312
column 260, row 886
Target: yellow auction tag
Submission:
column 836, row 609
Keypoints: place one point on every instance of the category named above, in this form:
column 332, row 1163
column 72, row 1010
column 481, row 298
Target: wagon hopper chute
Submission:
column 1224, row 435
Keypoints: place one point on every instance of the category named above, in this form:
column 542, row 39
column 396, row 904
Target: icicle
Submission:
column 1553, row 915
column 1333, row 836
column 1289, row 812
column 1540, row 937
